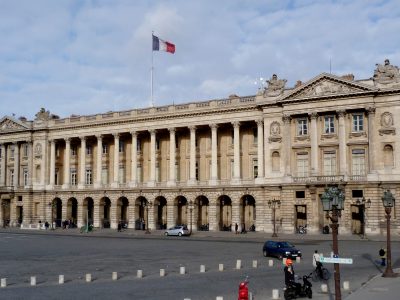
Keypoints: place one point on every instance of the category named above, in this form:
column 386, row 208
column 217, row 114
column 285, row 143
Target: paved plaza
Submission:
column 47, row 254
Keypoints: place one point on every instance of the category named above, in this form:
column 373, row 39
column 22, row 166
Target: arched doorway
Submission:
column 88, row 211
column 248, row 212
column 160, row 209
column 141, row 213
column 72, row 212
column 181, row 211
column 5, row 210
column 104, row 213
column 55, row 217
column 123, row 205
column 202, row 213
column 225, row 213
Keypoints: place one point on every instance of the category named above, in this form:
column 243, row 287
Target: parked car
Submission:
column 280, row 250
column 177, row 230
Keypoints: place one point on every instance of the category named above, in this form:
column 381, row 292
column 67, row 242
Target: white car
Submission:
column 178, row 230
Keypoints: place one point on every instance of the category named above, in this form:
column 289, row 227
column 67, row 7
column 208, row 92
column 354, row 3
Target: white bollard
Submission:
column 346, row 285
column 3, row 282
column 139, row 273
column 162, row 272
column 114, row 276
column 182, row 270
column 275, row 294
column 202, row 268
column 238, row 264
column 284, row 260
column 221, row 267
column 298, row 259
column 33, row 280
column 186, row 299
column 60, row 279
column 255, row 263
column 88, row 277
column 324, row 288
column 219, row 298
column 270, row 263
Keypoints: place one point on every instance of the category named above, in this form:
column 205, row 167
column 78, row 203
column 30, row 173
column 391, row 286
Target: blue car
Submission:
column 280, row 250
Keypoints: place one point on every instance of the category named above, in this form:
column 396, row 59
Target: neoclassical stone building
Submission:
column 215, row 163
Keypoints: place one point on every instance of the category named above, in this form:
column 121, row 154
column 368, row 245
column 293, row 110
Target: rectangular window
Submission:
column 358, row 162
column 25, row 176
column 88, row 176
column 232, row 169
column 73, row 177
column 11, row 177
column 329, row 163
column 302, row 165
column 105, row 148
column 255, row 135
column 12, row 150
column 358, row 122
column 121, row 146
column 73, row 151
column 176, row 143
column 104, row 176
column 121, row 174
column 157, row 144
column 26, row 148
column 232, row 137
column 197, row 171
column 329, row 124
column 300, row 194
column 89, row 150
column 139, row 145
column 302, row 128
column 1, row 153
column 255, row 168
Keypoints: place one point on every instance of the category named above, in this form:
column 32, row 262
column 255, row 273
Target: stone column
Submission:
column 192, row 173
column 113, row 214
column 99, row 163
column 30, row 163
column 131, row 214
column 260, row 151
column 170, row 214
column 3, row 165
column 267, row 155
column 214, row 154
column 16, row 164
column 342, row 144
column 287, row 145
column 150, row 221
column 52, row 163
column 114, row 183
column 82, row 160
column 152, row 181
column 172, row 158
column 67, row 155
column 133, row 182
column 371, row 139
column 212, row 216
column 314, row 144
column 236, row 153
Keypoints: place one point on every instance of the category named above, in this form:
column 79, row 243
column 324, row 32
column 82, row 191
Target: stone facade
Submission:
column 212, row 164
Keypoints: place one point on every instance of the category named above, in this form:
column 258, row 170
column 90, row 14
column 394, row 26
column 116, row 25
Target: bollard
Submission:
column 162, row 272
column 60, row 279
column 324, row 288
column 238, row 264
column 284, row 260
column 346, row 285
column 219, row 298
column 88, row 277
column 139, row 273
column 33, row 280
column 186, row 299
column 270, row 263
column 114, row 276
column 3, row 282
column 202, row 268
column 182, row 270
column 221, row 267
column 275, row 294
column 298, row 259
column 255, row 263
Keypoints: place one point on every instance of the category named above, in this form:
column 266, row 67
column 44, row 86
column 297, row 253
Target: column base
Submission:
column 97, row 185
column 236, row 181
column 151, row 184
column 65, row 186
column 192, row 182
column 132, row 184
column 81, row 186
column 114, row 185
column 260, row 180
column 171, row 183
column 50, row 187
column 213, row 182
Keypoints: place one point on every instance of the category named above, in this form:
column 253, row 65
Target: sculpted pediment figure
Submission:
column 7, row 124
column 386, row 73
column 275, row 86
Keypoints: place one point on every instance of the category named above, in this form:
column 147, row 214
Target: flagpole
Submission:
column 151, row 72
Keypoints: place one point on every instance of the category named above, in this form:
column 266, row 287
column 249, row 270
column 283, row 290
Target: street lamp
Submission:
column 333, row 201
column 365, row 205
column 147, row 204
column 191, row 206
column 274, row 204
column 388, row 202
column 52, row 205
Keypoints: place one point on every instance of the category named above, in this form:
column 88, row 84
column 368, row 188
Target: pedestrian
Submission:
column 46, row 225
column 382, row 254
column 317, row 263
column 119, row 227
column 236, row 228
column 243, row 228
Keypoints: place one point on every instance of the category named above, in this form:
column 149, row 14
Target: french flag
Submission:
column 161, row 45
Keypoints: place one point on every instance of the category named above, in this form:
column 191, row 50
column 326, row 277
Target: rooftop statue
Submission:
column 275, row 86
column 386, row 73
column 44, row 115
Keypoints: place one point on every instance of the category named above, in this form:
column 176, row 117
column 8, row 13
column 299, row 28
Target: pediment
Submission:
column 327, row 86
column 12, row 124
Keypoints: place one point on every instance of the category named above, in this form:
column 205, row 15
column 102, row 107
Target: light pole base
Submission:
column 147, row 231
column 390, row 274
column 274, row 235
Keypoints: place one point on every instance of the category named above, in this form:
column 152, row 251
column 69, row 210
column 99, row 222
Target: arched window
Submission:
column 388, row 156
column 276, row 161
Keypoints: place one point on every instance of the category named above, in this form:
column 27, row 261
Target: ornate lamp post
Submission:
column 191, row 206
column 147, row 204
column 52, row 205
column 274, row 204
column 333, row 202
column 388, row 202
column 365, row 205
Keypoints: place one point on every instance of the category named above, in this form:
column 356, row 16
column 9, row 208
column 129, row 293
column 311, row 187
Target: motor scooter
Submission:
column 293, row 292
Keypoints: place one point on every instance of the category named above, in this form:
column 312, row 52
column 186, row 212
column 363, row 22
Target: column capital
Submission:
column 67, row 140
column 99, row 136
column 236, row 124
column 313, row 115
column 116, row 135
column 286, row 118
column 192, row 128
column 152, row 131
column 341, row 112
column 214, row 126
column 260, row 122
column 83, row 138
column 370, row 110
column 172, row 129
column 133, row 133
column 52, row 141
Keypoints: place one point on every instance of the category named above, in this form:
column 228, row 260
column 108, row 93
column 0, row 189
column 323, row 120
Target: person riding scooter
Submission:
column 289, row 275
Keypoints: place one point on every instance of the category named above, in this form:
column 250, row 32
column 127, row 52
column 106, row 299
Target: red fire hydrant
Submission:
column 243, row 291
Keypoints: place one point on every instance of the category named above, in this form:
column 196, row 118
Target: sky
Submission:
column 95, row 56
